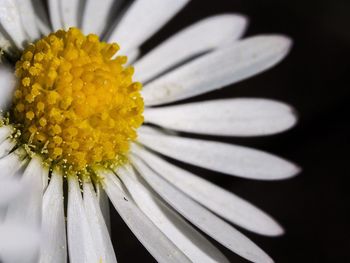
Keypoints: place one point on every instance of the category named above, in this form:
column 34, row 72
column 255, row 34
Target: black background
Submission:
column 312, row 207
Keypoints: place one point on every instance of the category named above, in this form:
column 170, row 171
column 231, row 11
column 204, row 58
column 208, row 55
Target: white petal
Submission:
column 5, row 44
column 71, row 11
column 18, row 243
column 5, row 132
column 8, row 85
column 221, row 157
column 202, row 218
column 104, row 206
column 217, row 69
column 44, row 177
column 28, row 205
column 132, row 56
column 142, row 20
column 10, row 21
column 95, row 16
column 41, row 16
column 44, row 28
column 156, row 131
column 196, row 39
column 230, row 117
column 217, row 199
column 12, row 163
column 80, row 241
column 185, row 237
column 6, row 146
column 160, row 247
column 53, row 238
column 54, row 7
column 103, row 245
column 28, row 18
column 9, row 188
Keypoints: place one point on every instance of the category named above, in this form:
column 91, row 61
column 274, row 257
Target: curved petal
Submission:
column 202, row 218
column 184, row 236
column 215, row 198
column 81, row 246
column 53, row 237
column 228, row 65
column 103, row 244
column 10, row 21
column 142, row 20
column 221, row 157
column 203, row 36
column 229, row 117
column 160, row 247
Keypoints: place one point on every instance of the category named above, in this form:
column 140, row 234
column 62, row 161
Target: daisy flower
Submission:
column 77, row 127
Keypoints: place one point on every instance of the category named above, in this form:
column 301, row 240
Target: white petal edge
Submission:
column 81, row 246
column 227, row 117
column 158, row 245
column 224, row 66
column 54, row 7
column 142, row 20
column 220, row 201
column 104, row 206
column 103, row 244
column 95, row 15
column 8, row 85
column 132, row 57
column 201, row 217
column 184, row 236
column 221, row 157
column 203, row 36
column 42, row 16
column 53, row 229
column 11, row 22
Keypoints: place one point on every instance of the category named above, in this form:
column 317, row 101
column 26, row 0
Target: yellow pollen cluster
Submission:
column 75, row 103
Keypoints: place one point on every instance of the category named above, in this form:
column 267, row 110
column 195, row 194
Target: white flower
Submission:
column 153, row 196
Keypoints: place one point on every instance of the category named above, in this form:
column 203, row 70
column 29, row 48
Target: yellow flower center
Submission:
column 75, row 102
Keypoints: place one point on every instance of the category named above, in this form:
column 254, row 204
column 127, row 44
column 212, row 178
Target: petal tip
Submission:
column 276, row 231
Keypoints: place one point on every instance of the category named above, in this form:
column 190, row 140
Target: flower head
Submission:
column 74, row 104
column 72, row 111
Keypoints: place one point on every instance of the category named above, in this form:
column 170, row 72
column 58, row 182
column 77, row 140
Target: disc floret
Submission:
column 75, row 102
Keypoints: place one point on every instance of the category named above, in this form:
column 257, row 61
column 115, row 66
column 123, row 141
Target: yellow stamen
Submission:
column 76, row 100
